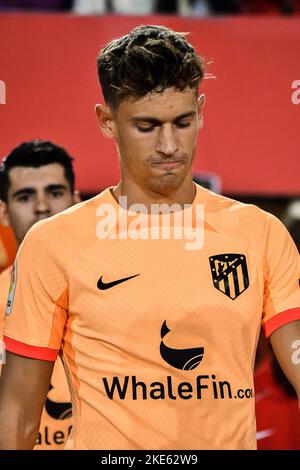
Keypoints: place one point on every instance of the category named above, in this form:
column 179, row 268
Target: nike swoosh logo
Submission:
column 107, row 285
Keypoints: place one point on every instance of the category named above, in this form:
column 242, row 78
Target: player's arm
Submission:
column 285, row 342
column 281, row 308
column 24, row 384
column 36, row 315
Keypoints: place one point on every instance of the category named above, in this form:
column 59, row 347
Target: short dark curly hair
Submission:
column 35, row 153
column 148, row 59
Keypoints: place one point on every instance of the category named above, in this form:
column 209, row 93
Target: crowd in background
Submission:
column 198, row 8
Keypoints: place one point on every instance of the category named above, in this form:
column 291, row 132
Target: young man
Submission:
column 158, row 338
column 37, row 181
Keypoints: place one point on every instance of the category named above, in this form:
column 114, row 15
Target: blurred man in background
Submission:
column 37, row 182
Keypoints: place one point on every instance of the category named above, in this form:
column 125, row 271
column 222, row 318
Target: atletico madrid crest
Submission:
column 229, row 274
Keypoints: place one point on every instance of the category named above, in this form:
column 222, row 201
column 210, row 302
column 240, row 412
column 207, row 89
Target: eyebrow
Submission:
column 157, row 122
column 29, row 191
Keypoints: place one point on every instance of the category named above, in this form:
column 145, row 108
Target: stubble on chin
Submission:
column 166, row 184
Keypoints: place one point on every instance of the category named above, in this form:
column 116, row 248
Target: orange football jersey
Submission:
column 158, row 339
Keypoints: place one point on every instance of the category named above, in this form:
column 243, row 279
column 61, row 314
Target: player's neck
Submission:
column 185, row 194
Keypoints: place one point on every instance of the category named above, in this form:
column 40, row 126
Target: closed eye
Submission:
column 145, row 129
column 182, row 124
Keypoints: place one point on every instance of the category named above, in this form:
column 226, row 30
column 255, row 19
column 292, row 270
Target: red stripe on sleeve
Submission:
column 35, row 352
column 281, row 319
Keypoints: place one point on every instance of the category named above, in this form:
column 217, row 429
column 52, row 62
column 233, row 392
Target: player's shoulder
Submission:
column 232, row 210
column 76, row 222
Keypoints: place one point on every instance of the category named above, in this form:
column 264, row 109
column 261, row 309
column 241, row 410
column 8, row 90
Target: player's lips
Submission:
column 167, row 164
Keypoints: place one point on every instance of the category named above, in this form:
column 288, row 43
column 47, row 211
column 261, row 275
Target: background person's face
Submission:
column 35, row 194
column 156, row 138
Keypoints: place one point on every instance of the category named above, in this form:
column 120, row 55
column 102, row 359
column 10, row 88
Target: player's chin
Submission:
column 168, row 182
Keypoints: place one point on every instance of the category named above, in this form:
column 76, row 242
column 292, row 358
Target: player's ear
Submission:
column 4, row 218
column 201, row 102
column 105, row 120
column 76, row 196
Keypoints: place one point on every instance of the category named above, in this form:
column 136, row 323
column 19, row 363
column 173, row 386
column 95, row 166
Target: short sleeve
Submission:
column 281, row 279
column 37, row 306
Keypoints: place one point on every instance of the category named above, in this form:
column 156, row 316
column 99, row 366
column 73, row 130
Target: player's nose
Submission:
column 42, row 208
column 166, row 141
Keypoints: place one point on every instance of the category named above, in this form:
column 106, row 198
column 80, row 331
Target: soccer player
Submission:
column 37, row 181
column 154, row 291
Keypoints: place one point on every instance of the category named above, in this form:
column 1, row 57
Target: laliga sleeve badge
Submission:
column 12, row 288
